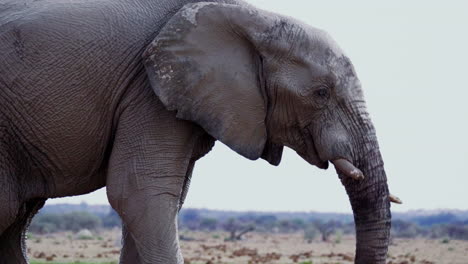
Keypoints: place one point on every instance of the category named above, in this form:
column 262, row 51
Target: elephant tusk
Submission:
column 395, row 199
column 348, row 169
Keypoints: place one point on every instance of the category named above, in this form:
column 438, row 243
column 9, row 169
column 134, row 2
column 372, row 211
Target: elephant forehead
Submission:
column 344, row 71
column 319, row 41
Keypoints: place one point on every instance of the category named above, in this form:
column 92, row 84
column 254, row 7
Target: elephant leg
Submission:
column 9, row 204
column 129, row 252
column 148, row 203
column 12, row 240
column 10, row 246
column 147, row 169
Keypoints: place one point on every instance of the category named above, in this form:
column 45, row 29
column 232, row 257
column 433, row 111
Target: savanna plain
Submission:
column 103, row 246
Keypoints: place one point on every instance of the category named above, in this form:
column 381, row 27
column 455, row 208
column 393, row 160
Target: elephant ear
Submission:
column 204, row 66
column 272, row 153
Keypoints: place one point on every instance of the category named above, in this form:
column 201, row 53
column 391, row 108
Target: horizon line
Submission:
column 272, row 211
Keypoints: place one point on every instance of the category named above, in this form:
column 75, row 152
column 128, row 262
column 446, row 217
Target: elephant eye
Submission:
column 322, row 93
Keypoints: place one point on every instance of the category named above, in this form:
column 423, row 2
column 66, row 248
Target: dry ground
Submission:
column 255, row 248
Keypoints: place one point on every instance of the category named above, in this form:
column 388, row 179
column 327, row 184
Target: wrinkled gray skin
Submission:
column 129, row 94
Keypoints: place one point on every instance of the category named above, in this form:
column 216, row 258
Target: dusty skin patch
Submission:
column 210, row 247
column 190, row 12
column 165, row 73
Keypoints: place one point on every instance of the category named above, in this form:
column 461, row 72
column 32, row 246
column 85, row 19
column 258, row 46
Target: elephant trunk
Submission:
column 370, row 202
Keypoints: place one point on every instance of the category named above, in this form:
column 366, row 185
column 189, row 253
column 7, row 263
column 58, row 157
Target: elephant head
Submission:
column 257, row 82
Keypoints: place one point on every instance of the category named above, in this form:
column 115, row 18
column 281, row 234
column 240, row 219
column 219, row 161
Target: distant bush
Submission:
column 328, row 228
column 190, row 219
column 266, row 223
column 310, row 233
column 111, row 220
column 452, row 231
column 435, row 219
column 84, row 234
column 74, row 221
column 406, row 229
column 46, row 223
column 237, row 229
column 208, row 224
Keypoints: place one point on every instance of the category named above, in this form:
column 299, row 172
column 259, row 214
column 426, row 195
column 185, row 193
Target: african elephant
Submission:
column 129, row 94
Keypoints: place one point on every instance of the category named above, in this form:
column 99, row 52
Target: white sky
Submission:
column 412, row 59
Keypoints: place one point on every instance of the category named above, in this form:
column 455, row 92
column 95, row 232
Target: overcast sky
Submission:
column 412, row 59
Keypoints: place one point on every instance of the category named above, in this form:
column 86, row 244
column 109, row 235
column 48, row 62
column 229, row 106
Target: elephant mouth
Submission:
column 323, row 165
column 310, row 153
column 342, row 165
column 314, row 160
